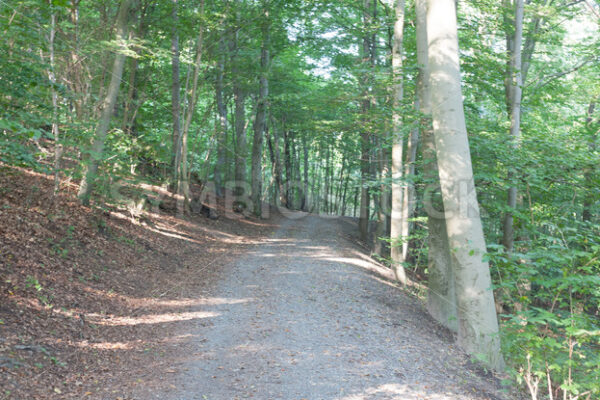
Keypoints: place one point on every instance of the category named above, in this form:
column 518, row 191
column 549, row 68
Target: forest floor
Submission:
column 93, row 305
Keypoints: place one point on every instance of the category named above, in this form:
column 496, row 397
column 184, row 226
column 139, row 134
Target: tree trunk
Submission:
column 58, row 148
column 130, row 107
column 365, row 159
column 296, row 157
column 273, row 144
column 515, row 92
column 408, row 195
column 191, row 100
column 304, row 205
column 108, row 105
column 260, row 120
column 222, row 111
column 381, row 247
column 477, row 321
column 397, row 145
column 175, row 99
column 441, row 297
column 591, row 171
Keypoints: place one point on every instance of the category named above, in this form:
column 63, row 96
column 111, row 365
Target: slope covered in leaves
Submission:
column 90, row 298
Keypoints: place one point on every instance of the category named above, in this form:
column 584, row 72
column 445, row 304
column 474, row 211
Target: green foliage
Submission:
column 552, row 299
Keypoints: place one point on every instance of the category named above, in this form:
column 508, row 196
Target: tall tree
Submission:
column 175, row 98
column 183, row 186
column 397, row 144
column 477, row 321
column 515, row 92
column 108, row 105
column 261, row 115
column 220, row 166
column 441, row 296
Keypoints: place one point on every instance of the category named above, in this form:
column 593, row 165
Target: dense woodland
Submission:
column 359, row 108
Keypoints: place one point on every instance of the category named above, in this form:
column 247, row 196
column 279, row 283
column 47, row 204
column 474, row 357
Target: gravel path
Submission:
column 308, row 316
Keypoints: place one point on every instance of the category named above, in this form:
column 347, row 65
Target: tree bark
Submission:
column 175, row 99
column 304, row 205
column 58, row 148
column 287, row 153
column 477, row 321
column 408, row 195
column 222, row 111
column 515, row 93
column 183, row 186
column 108, row 105
column 365, row 159
column 590, row 173
column 441, row 297
column 273, row 144
column 397, row 145
column 260, row 120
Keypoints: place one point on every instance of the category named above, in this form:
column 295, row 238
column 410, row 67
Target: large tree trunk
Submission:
column 441, row 297
column 108, row 105
column 260, row 120
column 397, row 145
column 477, row 321
column 515, row 94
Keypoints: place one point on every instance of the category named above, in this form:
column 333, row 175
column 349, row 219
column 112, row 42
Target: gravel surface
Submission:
column 307, row 315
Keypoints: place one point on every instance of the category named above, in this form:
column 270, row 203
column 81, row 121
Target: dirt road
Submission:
column 307, row 315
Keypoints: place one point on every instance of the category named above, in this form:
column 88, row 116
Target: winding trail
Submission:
column 307, row 315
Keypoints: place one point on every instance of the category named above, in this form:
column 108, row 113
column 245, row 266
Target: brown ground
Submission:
column 89, row 298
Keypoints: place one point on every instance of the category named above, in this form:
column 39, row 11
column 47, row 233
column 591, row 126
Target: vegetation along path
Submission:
column 307, row 315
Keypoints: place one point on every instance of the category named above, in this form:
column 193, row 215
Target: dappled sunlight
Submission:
column 406, row 391
column 149, row 319
column 370, row 266
column 205, row 301
column 105, row 345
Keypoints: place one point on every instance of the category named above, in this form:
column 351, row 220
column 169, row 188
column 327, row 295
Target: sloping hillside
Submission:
column 89, row 296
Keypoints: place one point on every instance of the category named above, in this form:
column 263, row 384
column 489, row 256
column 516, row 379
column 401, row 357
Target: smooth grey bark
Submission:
column 397, row 145
column 260, row 120
column 515, row 93
column 477, row 320
column 108, row 105
column 441, row 294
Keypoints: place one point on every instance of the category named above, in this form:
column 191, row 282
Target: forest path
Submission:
column 307, row 315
